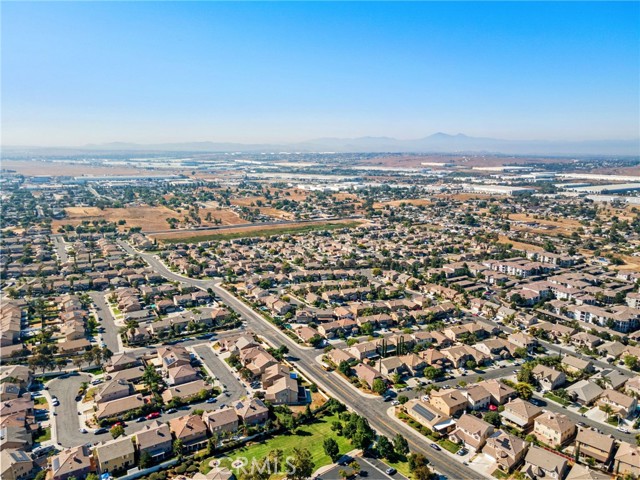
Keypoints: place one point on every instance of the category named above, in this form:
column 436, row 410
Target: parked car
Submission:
column 99, row 431
column 153, row 415
column 211, row 400
column 390, row 471
column 462, row 452
column 140, row 419
column 435, row 446
column 83, row 430
column 623, row 430
column 171, row 410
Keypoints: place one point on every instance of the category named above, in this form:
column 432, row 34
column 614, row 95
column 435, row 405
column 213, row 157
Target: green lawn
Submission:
column 308, row 436
column 401, row 466
column 583, row 409
column 40, row 401
column 499, row 474
column 46, row 435
column 448, row 445
column 555, row 398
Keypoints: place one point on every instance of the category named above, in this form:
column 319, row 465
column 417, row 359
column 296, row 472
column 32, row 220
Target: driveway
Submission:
column 222, row 372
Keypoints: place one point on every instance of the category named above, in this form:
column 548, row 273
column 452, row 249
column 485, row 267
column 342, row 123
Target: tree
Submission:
column 493, row 418
column 302, row 464
column 116, row 431
column 331, row 448
column 177, row 447
column 145, row 460
column 403, row 399
column 344, row 368
column 385, row 448
column 631, row 362
column 432, row 373
column 151, row 378
column 524, row 390
column 400, row 444
column 520, row 352
column 379, row 386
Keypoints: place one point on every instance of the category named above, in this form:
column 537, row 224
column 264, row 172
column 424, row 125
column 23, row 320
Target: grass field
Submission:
column 248, row 232
column 308, row 436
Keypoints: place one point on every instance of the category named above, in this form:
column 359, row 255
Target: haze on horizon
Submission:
column 160, row 72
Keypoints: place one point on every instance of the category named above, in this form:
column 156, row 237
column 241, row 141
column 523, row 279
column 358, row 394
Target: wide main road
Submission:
column 375, row 410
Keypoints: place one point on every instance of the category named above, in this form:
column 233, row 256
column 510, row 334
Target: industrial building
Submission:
column 498, row 189
column 611, row 188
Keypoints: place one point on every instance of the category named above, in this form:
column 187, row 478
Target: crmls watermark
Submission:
column 265, row 465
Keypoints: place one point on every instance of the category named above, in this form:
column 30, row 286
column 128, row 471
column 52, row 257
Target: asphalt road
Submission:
column 67, row 418
column 110, row 334
column 59, row 244
column 222, row 373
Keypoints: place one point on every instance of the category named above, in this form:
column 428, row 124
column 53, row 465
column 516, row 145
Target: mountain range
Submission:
column 436, row 143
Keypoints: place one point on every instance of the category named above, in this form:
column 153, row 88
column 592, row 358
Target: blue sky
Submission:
column 76, row 73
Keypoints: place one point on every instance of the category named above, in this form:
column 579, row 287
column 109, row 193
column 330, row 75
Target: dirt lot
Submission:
column 563, row 225
column 149, row 218
column 228, row 217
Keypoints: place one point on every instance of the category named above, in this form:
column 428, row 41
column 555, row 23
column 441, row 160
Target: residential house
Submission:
column 220, row 421
column 191, row 431
column 15, row 465
column 472, row 431
column 548, row 378
column 520, row 414
column 284, row 391
column 429, row 416
column 252, row 412
column 581, row 472
column 155, row 439
column 591, row 444
column 542, row 464
column 76, row 462
column 575, row 365
column 449, row 401
column 507, row 450
column 585, row 392
column 115, row 455
column 478, row 397
column 186, row 392
column 627, row 459
column 621, row 404
column 554, row 429
column 113, row 390
column 117, row 407
column 366, row 373
column 500, row 393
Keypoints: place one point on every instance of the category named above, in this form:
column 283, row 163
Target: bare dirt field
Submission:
column 148, row 218
column 226, row 216
column 565, row 226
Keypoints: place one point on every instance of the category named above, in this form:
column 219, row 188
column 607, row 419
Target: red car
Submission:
column 120, row 423
column 152, row 415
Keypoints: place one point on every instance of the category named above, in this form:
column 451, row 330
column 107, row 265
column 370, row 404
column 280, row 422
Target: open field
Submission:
column 253, row 231
column 226, row 216
column 148, row 218
column 565, row 226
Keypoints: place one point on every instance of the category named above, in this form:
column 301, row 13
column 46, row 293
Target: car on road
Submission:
column 390, row 471
column 55, row 402
column 140, row 419
column 83, row 430
column 435, row 446
column 119, row 423
column 386, row 398
column 395, row 402
column 581, row 424
column 153, row 415
column 171, row 410
column 99, row 431
column 223, row 405
column 97, row 381
column 462, row 452
column 622, row 429
column 211, row 400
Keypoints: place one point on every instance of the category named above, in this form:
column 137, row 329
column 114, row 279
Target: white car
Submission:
column 395, row 402
column 623, row 430
column 83, row 430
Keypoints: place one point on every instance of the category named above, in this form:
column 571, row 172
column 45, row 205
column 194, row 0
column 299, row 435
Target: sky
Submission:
column 76, row 73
